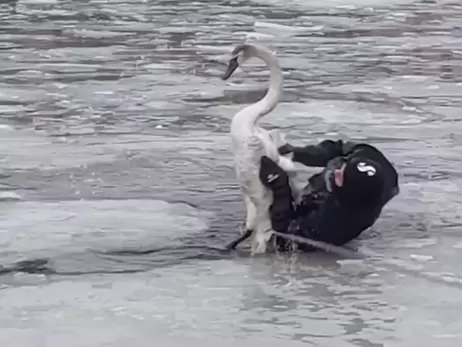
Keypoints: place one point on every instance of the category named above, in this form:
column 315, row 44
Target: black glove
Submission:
column 284, row 149
column 276, row 179
column 272, row 176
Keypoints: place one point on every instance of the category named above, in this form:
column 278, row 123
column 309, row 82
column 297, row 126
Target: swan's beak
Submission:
column 232, row 66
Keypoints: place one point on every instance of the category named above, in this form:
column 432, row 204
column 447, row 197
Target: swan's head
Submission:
column 239, row 55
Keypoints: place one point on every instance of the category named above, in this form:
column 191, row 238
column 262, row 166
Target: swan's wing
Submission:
column 286, row 164
column 256, row 147
column 277, row 137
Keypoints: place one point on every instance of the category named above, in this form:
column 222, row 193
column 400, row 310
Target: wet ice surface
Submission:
column 118, row 189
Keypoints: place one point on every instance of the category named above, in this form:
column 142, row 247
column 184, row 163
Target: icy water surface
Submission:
column 118, row 189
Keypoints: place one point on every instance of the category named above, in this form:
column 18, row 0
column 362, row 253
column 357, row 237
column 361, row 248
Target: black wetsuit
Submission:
column 321, row 215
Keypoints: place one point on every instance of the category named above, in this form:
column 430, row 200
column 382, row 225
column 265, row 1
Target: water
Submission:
column 118, row 189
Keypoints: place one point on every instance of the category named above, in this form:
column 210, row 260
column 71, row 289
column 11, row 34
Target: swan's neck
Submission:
column 274, row 93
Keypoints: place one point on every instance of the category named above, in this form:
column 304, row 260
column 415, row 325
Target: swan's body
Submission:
column 250, row 142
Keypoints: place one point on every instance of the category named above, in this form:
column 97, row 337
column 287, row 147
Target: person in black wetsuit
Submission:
column 340, row 202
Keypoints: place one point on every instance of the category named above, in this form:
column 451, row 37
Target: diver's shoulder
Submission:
column 371, row 152
column 350, row 147
column 363, row 149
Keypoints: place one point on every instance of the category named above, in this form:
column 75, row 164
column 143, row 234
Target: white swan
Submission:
column 250, row 142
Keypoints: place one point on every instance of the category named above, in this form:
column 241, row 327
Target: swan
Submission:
column 250, row 142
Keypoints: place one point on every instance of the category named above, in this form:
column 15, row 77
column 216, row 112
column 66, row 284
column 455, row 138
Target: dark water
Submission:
column 118, row 188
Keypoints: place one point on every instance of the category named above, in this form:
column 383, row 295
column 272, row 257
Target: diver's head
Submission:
column 359, row 181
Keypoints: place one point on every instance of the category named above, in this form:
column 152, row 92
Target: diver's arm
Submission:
column 315, row 155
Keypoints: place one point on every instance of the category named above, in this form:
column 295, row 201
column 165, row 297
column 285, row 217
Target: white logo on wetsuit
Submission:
column 362, row 167
column 272, row 177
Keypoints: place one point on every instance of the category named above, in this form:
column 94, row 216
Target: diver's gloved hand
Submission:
column 272, row 176
column 285, row 149
column 276, row 179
